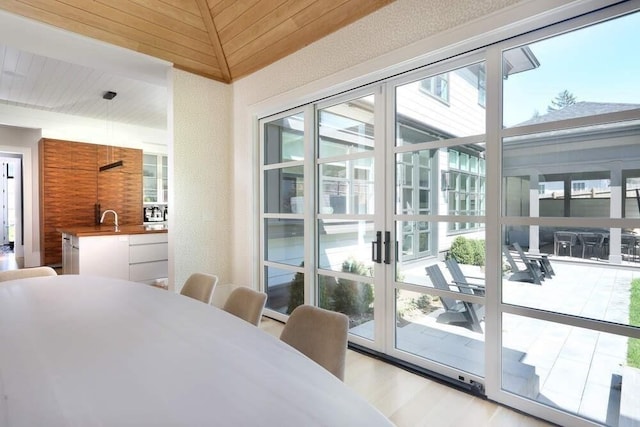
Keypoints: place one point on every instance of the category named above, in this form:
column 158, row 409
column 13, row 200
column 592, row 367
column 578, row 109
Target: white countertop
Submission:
column 88, row 351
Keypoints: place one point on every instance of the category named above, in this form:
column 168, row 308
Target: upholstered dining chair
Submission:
column 319, row 334
column 246, row 304
column 200, row 286
column 27, row 272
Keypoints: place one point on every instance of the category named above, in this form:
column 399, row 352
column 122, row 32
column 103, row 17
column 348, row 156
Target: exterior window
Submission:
column 579, row 186
column 437, row 86
column 466, row 188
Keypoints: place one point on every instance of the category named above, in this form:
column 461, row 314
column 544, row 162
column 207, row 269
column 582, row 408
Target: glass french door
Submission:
column 472, row 224
column 350, row 250
column 436, row 208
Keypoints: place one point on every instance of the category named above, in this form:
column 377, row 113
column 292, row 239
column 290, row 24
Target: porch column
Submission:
column 615, row 209
column 534, row 212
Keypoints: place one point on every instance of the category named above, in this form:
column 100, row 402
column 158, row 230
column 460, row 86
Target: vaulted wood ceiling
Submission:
column 219, row 39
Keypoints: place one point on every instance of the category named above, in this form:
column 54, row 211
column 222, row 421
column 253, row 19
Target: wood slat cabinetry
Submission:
column 120, row 188
column 71, row 184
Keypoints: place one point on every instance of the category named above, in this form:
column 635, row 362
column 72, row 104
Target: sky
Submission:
column 600, row 63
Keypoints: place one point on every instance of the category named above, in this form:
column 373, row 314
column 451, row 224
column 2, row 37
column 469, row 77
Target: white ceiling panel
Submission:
column 62, row 77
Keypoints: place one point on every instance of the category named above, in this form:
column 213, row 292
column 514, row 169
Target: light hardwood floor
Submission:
column 9, row 261
column 410, row 400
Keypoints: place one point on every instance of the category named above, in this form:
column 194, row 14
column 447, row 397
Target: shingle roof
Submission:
column 580, row 109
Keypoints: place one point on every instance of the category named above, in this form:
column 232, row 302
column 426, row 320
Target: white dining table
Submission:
column 91, row 351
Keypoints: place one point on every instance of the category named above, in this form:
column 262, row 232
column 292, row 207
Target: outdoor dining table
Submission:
column 92, row 351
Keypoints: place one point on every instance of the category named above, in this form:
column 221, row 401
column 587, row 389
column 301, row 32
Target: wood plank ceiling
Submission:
column 219, row 39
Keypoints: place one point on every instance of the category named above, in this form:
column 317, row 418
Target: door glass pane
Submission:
column 425, row 112
column 284, row 241
column 346, row 246
column 346, row 128
column 351, row 297
column 582, row 73
column 441, row 329
column 284, row 190
column 440, row 322
column 284, row 140
column 347, row 187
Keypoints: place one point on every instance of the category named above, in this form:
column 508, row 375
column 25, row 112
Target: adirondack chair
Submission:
column 459, row 313
column 531, row 273
column 462, row 281
column 542, row 260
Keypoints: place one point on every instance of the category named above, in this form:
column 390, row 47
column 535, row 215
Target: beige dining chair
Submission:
column 27, row 272
column 319, row 334
column 200, row 286
column 246, row 304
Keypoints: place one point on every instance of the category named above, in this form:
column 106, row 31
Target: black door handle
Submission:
column 376, row 248
column 387, row 247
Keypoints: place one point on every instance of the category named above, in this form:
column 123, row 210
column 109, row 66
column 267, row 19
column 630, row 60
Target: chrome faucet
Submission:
column 115, row 217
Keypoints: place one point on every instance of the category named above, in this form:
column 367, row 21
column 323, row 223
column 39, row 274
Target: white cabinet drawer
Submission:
column 143, row 239
column 146, row 253
column 148, row 271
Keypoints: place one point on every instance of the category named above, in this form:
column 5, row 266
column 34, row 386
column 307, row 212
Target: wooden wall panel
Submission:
column 71, row 185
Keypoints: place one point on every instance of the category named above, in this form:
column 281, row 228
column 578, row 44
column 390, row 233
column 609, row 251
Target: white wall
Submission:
column 377, row 42
column 200, row 191
column 25, row 142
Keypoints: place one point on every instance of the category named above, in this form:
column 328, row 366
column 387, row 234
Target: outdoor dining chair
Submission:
column 564, row 240
column 591, row 243
column 629, row 244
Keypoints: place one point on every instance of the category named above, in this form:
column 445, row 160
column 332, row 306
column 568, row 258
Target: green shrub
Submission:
column 296, row 291
column 346, row 296
column 467, row 251
column 326, row 290
column 352, row 297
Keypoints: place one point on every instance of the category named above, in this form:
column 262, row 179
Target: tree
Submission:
column 563, row 99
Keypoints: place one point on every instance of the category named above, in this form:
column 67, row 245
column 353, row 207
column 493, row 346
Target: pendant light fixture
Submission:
column 109, row 95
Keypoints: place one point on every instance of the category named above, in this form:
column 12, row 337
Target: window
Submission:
column 437, row 86
column 465, row 187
